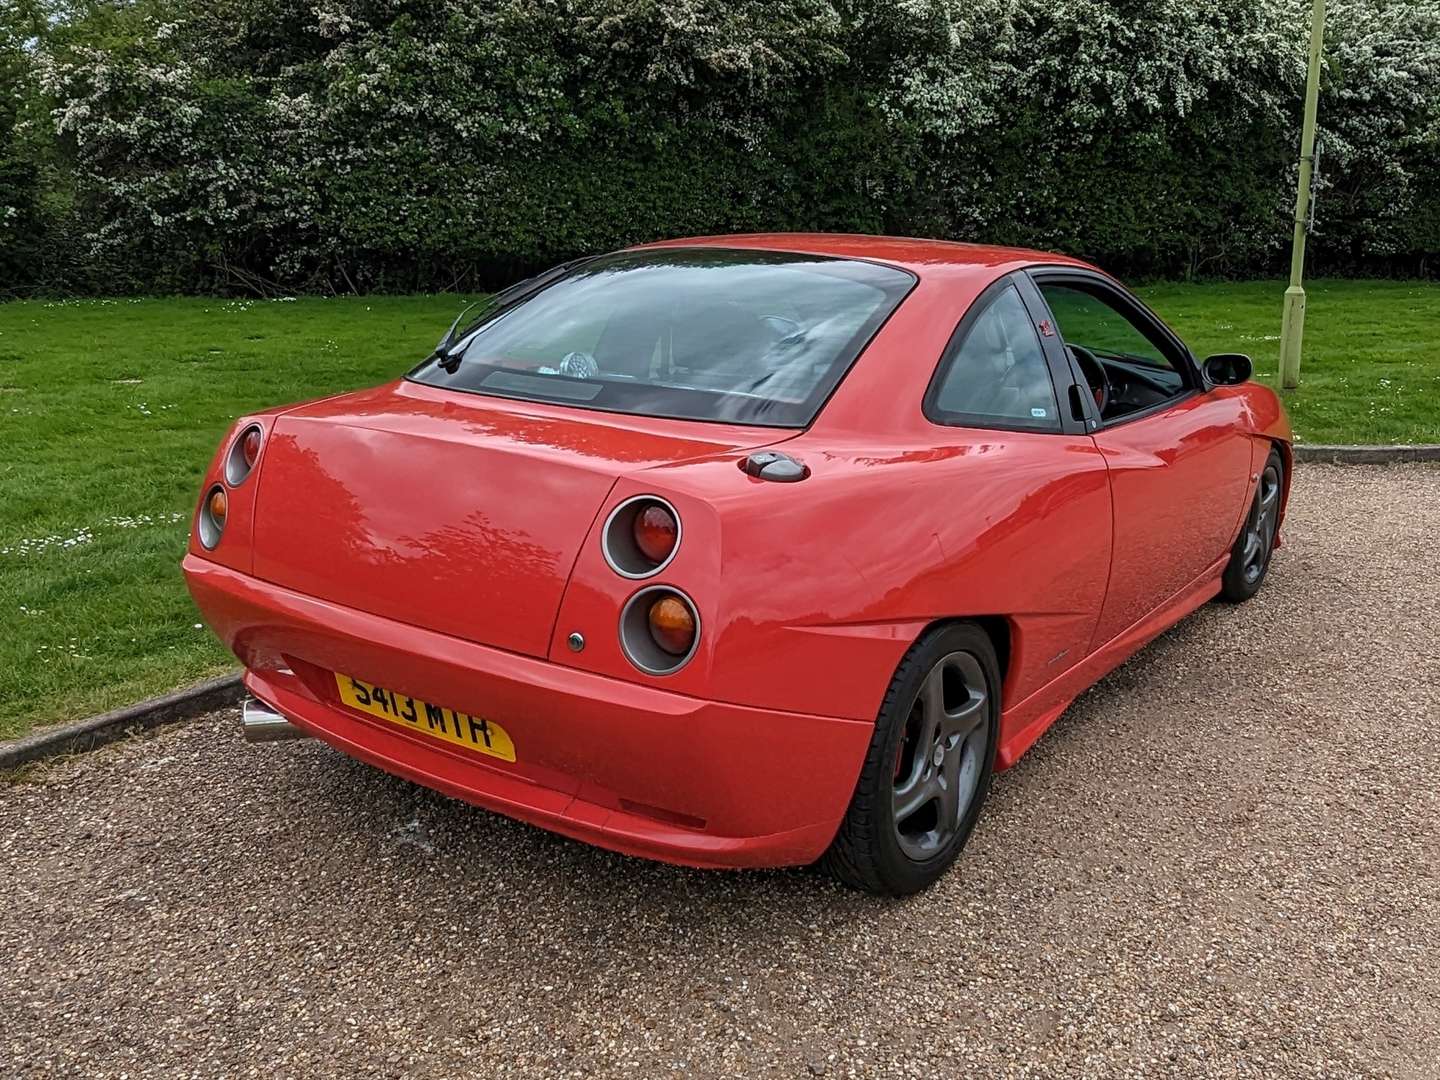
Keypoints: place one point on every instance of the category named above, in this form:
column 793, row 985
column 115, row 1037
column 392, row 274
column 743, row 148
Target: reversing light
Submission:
column 641, row 536
column 210, row 523
column 243, row 454
column 659, row 630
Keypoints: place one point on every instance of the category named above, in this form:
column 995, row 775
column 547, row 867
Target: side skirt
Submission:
column 1021, row 725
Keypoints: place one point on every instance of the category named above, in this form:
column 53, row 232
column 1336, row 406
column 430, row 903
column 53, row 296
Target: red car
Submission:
column 744, row 550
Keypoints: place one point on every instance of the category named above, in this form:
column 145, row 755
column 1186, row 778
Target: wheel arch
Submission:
column 1001, row 634
column 1287, row 463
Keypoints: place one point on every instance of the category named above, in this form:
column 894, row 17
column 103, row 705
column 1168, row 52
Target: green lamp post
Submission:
column 1292, row 327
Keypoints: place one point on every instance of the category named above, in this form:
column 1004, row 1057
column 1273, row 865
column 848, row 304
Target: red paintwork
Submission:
column 585, row 742
column 446, row 544
column 455, row 508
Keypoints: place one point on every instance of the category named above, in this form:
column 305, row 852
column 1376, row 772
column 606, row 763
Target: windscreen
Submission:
column 751, row 337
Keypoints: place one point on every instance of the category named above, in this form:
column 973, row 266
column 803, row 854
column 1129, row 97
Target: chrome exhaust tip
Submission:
column 259, row 723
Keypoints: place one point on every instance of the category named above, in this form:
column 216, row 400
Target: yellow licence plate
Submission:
column 462, row 729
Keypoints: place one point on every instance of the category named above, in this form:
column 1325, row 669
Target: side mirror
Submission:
column 1228, row 368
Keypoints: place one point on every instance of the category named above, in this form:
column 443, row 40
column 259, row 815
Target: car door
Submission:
column 1044, row 556
column 1178, row 459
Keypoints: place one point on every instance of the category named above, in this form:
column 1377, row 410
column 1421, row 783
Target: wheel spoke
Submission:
column 1269, row 494
column 915, row 795
column 918, row 788
column 961, row 723
column 1252, row 547
column 948, row 783
column 932, row 709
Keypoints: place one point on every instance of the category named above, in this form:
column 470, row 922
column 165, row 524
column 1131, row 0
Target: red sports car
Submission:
column 744, row 550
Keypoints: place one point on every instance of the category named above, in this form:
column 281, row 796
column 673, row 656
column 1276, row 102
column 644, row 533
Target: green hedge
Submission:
column 428, row 144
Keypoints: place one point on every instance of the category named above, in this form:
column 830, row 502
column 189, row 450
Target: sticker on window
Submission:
column 1039, row 414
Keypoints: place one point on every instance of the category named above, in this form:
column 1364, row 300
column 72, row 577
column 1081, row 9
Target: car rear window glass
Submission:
column 753, row 337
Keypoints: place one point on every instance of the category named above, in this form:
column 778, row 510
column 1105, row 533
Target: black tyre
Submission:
column 928, row 769
column 1250, row 557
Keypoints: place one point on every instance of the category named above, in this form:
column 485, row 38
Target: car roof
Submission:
column 920, row 256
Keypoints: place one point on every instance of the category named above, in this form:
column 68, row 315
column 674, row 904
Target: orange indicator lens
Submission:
column 672, row 625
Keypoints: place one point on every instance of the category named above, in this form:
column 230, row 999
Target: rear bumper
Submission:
column 628, row 767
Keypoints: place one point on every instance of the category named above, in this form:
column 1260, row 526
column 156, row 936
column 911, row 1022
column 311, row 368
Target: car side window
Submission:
column 1127, row 363
column 994, row 373
column 1087, row 320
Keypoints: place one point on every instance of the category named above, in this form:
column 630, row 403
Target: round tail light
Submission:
column 659, row 630
column 211, row 521
column 641, row 536
column 243, row 454
column 672, row 625
column 656, row 531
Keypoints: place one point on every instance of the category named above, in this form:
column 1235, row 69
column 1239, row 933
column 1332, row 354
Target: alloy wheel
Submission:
column 938, row 763
column 1260, row 526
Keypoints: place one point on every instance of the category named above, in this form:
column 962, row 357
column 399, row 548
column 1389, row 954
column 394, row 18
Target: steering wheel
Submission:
column 1094, row 372
column 580, row 365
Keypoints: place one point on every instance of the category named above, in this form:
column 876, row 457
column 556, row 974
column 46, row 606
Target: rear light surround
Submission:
column 209, row 526
column 638, row 643
column 617, row 538
column 237, row 467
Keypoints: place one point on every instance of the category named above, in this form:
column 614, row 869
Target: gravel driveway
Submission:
column 1223, row 861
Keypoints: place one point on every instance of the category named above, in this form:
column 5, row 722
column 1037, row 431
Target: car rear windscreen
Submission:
column 749, row 337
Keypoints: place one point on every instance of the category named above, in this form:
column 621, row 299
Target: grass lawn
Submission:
column 1370, row 372
column 109, row 413
column 110, row 410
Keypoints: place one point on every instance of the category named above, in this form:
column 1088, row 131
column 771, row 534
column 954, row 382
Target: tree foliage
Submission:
column 418, row 144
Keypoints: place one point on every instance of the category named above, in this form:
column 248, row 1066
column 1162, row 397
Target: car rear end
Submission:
column 514, row 601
